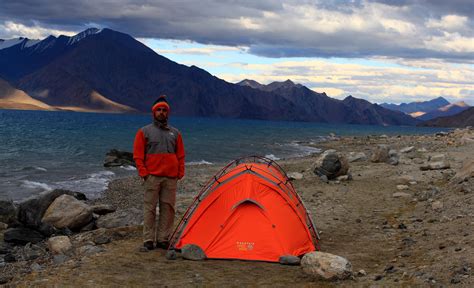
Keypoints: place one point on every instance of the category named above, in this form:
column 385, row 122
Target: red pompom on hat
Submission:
column 160, row 102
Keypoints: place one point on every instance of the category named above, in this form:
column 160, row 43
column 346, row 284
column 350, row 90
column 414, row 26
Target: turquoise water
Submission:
column 41, row 151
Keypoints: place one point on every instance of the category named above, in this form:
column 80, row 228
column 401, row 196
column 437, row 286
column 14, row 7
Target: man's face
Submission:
column 161, row 113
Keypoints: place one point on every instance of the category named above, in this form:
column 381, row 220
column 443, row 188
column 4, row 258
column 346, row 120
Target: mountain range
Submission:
column 462, row 119
column 427, row 110
column 102, row 70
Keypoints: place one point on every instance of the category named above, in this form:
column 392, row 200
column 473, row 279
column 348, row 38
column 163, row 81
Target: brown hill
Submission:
column 11, row 98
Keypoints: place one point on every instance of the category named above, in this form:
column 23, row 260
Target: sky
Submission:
column 382, row 50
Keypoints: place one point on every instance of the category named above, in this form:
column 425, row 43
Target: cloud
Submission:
column 414, row 29
column 13, row 30
column 398, row 81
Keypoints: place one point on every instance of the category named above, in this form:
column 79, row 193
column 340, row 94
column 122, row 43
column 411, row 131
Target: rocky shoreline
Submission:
column 399, row 208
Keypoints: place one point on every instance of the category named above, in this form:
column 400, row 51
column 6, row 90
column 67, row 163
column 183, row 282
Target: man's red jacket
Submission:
column 159, row 151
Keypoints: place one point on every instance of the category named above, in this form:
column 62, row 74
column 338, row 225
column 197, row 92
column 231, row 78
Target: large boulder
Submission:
column 22, row 236
column 31, row 211
column 326, row 266
column 121, row 218
column 116, row 158
column 8, row 212
column 68, row 212
column 331, row 164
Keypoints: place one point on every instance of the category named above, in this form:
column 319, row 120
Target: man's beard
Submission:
column 163, row 122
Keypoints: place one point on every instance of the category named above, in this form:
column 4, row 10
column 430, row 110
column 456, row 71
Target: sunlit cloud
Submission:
column 11, row 29
column 376, row 84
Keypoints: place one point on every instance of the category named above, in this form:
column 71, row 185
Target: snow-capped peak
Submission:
column 24, row 42
column 10, row 42
column 78, row 37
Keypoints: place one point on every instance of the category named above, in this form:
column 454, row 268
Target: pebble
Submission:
column 59, row 259
column 401, row 195
column 36, row 267
column 437, row 205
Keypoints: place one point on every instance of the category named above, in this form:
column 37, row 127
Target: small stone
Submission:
column 193, row 252
column 290, row 260
column 402, row 187
column 361, row 273
column 390, row 269
column 295, row 176
column 408, row 241
column 401, row 195
column 171, row 255
column 435, row 166
column 378, row 277
column 59, row 244
column 324, row 178
column 102, row 209
column 380, row 154
column 407, row 149
column 31, row 254
column 36, row 267
column 405, row 254
column 59, row 259
column 88, row 250
column 405, row 179
column 456, row 279
column 101, row 239
column 344, row 178
column 437, row 205
column 437, row 158
column 354, row 157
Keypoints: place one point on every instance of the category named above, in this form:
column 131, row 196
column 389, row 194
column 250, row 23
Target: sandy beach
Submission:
column 397, row 224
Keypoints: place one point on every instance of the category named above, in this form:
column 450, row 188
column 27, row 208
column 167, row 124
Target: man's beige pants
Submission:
column 162, row 190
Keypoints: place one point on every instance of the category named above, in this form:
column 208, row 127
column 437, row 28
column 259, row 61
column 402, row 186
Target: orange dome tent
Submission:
column 250, row 211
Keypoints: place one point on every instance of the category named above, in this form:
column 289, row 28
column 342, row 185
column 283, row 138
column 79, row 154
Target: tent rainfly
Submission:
column 250, row 211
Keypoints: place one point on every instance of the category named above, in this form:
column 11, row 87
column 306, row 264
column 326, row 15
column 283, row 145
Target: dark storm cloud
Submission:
column 292, row 28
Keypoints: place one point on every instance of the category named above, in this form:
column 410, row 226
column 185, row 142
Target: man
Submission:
column 158, row 152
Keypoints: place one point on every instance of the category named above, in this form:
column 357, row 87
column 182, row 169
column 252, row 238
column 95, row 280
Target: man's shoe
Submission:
column 148, row 245
column 163, row 245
